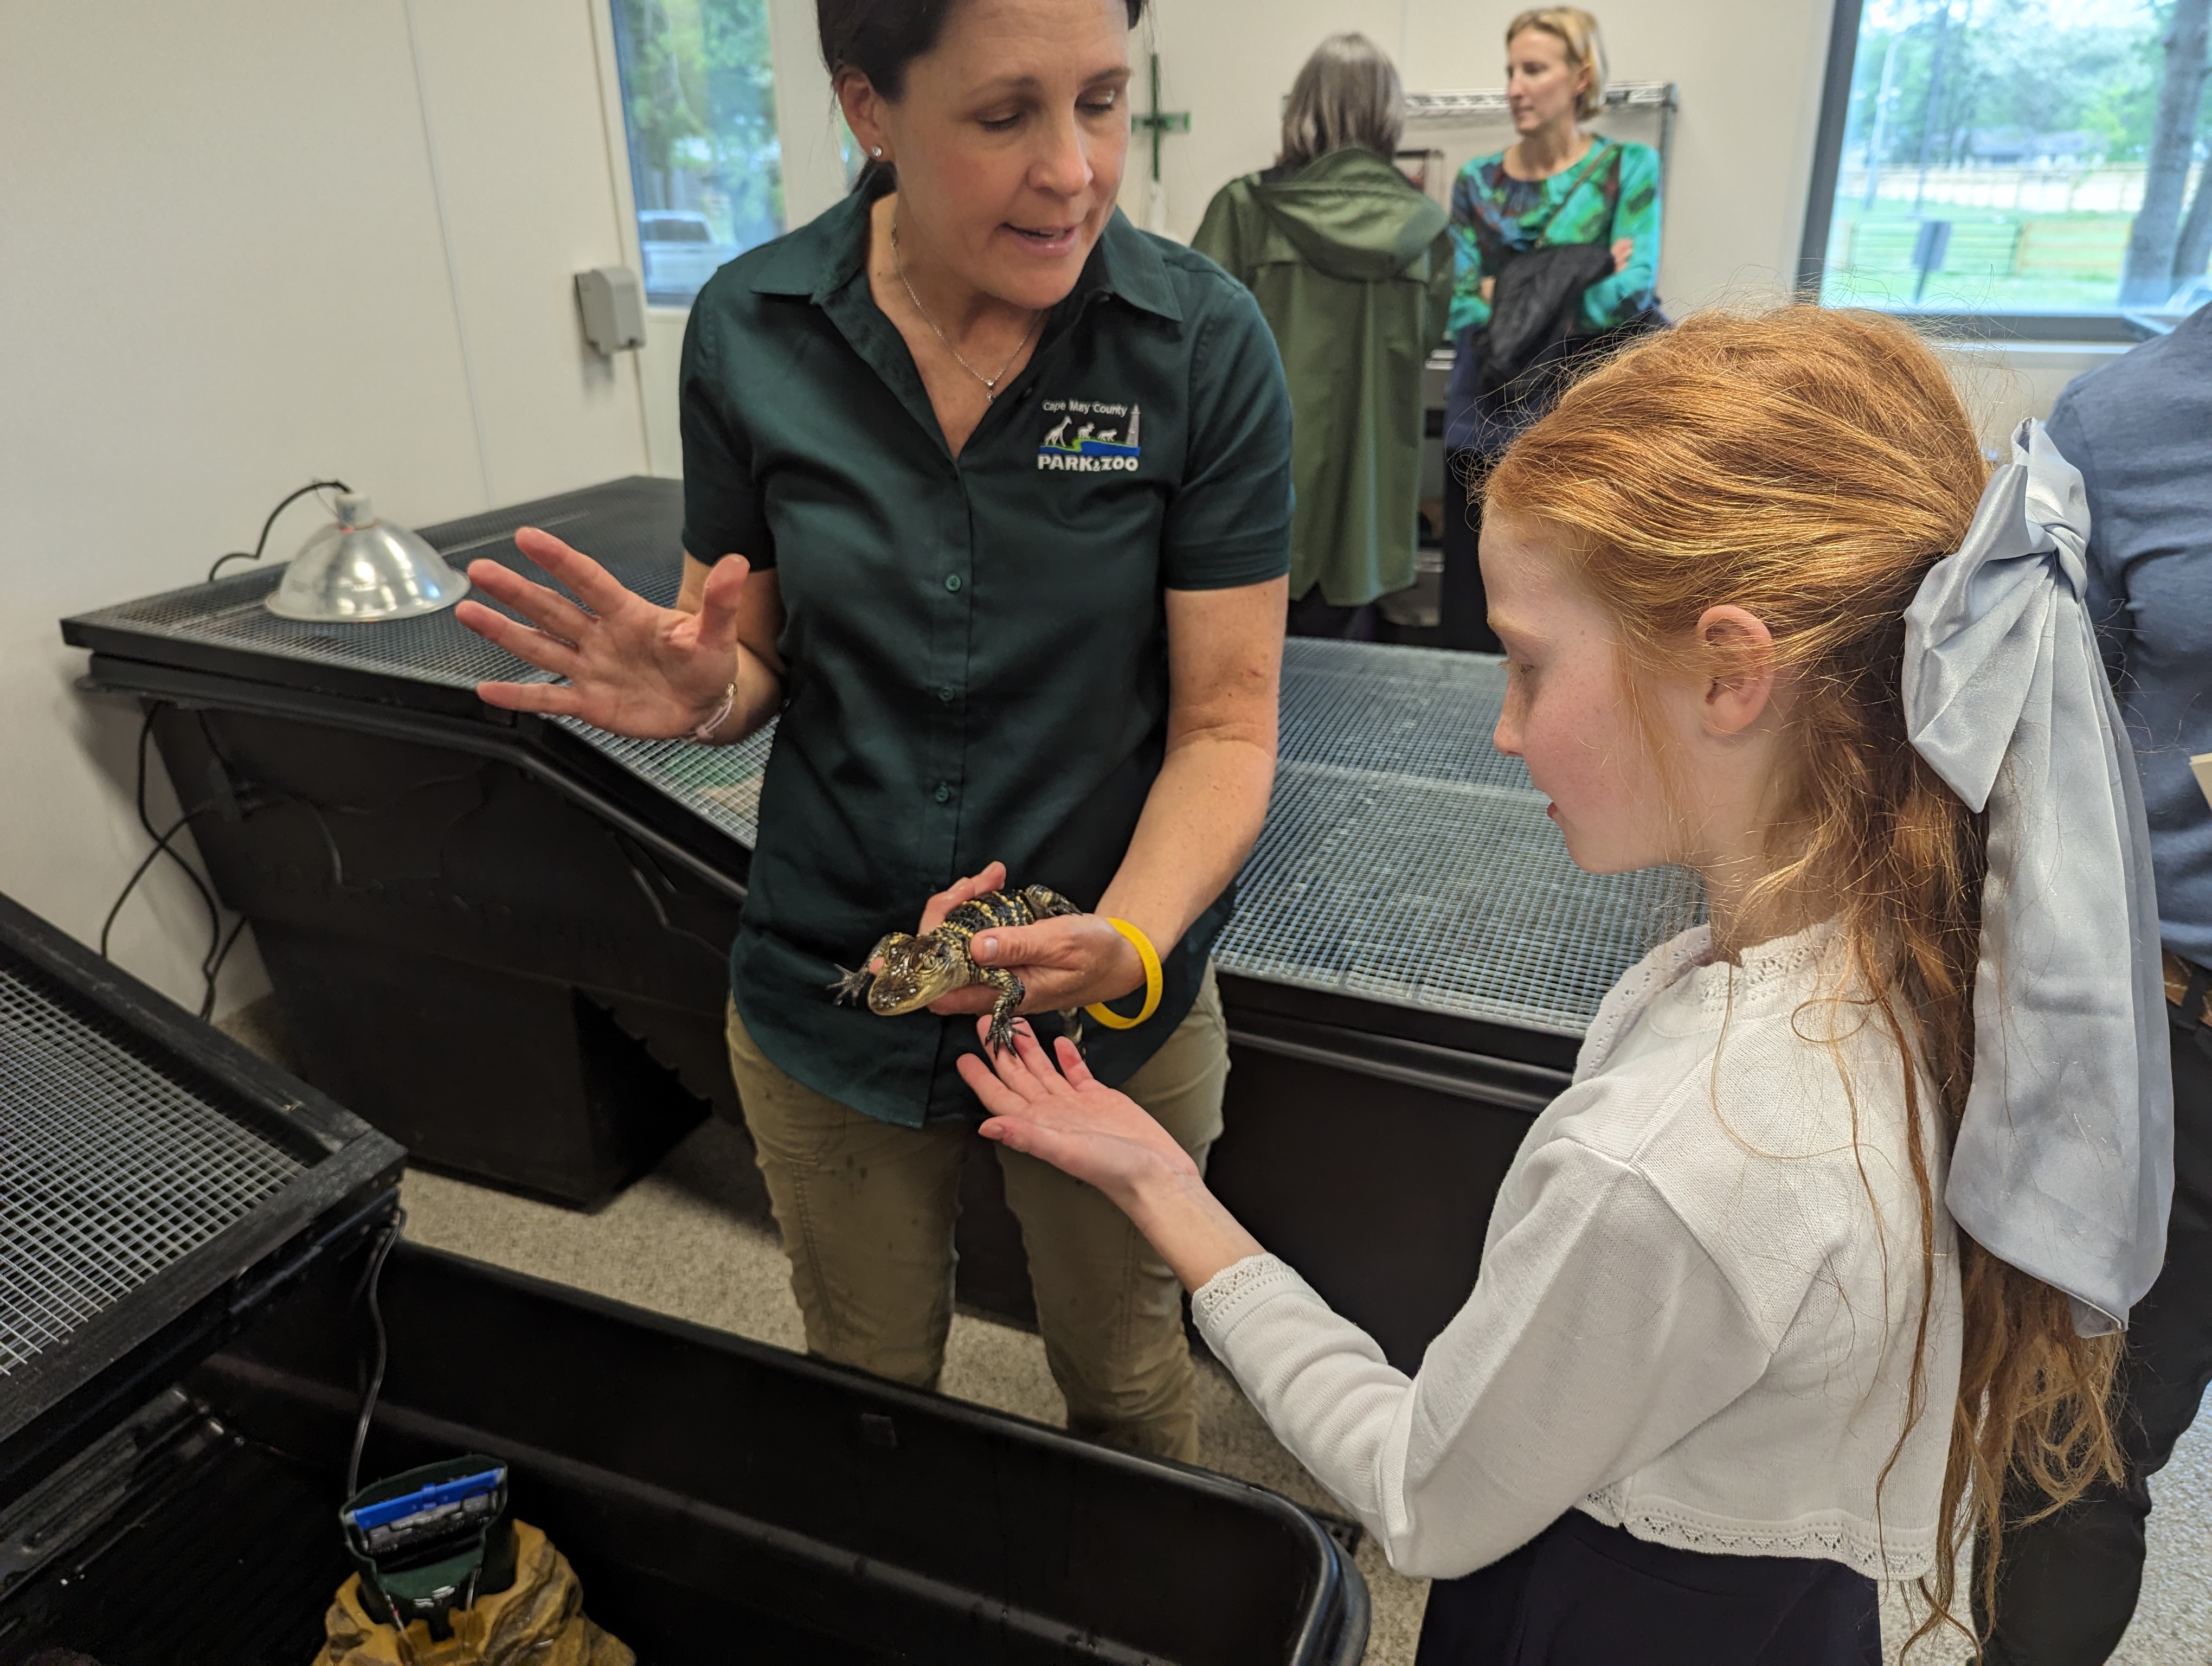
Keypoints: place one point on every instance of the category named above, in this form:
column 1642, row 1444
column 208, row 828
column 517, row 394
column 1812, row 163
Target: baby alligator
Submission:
column 916, row 970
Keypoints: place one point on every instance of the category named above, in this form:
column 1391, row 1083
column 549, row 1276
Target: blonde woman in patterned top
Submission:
column 1556, row 185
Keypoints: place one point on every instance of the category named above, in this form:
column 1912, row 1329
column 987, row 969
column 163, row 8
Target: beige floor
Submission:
column 689, row 1240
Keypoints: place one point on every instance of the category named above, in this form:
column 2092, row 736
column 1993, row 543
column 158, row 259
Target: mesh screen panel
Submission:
column 1413, row 712
column 109, row 1170
column 1406, row 859
column 720, row 783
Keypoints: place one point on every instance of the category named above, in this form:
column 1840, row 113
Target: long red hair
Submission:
column 1810, row 465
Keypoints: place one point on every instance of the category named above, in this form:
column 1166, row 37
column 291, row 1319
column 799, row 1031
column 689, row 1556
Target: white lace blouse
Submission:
column 1697, row 1308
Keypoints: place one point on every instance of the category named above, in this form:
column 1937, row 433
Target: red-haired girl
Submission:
column 1855, row 1182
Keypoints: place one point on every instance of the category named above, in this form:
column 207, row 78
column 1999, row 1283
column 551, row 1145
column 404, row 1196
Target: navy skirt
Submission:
column 1582, row 1593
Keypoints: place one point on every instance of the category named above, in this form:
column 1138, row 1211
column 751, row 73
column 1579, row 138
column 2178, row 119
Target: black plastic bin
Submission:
column 490, row 938
column 485, row 970
column 720, row 1499
column 724, row 1500
column 184, row 1337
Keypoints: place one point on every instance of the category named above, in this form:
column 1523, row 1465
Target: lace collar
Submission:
column 1683, row 970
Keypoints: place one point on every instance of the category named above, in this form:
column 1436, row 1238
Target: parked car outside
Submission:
column 680, row 253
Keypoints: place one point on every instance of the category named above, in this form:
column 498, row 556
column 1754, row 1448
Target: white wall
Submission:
column 244, row 248
column 2001, row 385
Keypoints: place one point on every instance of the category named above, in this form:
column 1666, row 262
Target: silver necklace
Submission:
column 990, row 383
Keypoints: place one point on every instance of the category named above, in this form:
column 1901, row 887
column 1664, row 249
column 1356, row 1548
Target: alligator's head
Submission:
column 910, row 972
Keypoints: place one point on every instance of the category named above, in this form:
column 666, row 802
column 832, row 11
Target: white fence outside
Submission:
column 2105, row 187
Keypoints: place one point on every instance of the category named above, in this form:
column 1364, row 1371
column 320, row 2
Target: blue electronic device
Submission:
column 435, row 1503
column 431, row 1540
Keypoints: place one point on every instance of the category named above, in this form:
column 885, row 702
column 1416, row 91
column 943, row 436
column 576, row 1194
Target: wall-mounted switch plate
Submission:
column 613, row 305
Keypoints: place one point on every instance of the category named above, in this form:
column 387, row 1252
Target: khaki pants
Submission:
column 867, row 1210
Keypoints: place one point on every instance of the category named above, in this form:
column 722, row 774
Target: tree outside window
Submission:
column 2023, row 157
column 699, row 108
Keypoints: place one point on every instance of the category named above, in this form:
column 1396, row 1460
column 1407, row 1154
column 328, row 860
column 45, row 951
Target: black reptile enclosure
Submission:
column 502, row 939
column 184, row 1339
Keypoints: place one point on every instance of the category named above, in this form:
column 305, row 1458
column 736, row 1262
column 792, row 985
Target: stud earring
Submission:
column 877, row 151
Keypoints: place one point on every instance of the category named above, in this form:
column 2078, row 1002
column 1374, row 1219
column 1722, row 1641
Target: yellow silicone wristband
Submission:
column 1150, row 956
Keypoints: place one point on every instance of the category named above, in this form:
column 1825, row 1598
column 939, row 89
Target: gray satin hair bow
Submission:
column 2064, row 1161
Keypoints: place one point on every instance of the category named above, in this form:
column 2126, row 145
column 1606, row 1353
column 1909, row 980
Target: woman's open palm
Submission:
column 632, row 668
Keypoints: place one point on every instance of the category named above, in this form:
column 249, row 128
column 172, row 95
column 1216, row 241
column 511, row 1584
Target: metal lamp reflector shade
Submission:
column 363, row 569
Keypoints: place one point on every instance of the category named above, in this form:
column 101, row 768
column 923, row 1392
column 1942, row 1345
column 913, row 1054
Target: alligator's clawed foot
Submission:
column 852, row 986
column 1001, row 1035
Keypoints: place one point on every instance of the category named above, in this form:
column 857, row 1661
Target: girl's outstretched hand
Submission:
column 1067, row 1118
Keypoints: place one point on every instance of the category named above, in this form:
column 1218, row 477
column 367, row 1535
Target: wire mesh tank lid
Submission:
column 157, row 1185
column 362, row 570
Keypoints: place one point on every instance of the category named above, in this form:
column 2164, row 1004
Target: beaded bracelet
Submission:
column 704, row 734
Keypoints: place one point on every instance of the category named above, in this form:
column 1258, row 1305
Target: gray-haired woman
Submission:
column 1352, row 266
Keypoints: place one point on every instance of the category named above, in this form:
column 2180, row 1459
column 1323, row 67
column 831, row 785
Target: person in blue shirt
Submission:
column 2137, row 429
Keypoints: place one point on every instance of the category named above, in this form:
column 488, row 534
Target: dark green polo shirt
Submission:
column 977, row 649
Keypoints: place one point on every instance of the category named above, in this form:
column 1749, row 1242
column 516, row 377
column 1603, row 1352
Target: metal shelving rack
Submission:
column 1638, row 97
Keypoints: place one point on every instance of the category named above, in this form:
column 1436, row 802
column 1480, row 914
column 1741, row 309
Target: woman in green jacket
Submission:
column 1352, row 266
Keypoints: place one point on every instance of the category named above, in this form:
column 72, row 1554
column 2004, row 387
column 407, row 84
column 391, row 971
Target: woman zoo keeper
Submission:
column 996, row 490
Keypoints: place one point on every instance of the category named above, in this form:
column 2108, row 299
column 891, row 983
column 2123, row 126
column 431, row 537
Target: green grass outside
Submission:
column 1999, row 261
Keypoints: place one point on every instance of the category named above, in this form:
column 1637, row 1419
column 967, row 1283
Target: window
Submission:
column 2033, row 163
column 699, row 107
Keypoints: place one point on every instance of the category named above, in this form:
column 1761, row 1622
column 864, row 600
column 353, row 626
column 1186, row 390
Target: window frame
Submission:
column 815, row 176
column 1821, row 213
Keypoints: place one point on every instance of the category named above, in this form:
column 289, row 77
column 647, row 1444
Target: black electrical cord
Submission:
column 330, row 840
column 250, row 798
column 161, row 848
column 220, row 942
column 383, row 1348
column 146, row 821
column 215, row 968
column 262, row 542
column 218, row 949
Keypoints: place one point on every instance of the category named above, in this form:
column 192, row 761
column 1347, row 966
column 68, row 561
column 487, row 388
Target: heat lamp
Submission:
column 362, row 570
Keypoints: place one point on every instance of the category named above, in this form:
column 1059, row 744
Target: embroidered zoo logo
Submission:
column 1090, row 439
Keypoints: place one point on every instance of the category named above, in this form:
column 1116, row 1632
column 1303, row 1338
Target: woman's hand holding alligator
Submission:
column 1062, row 963
column 632, row 668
